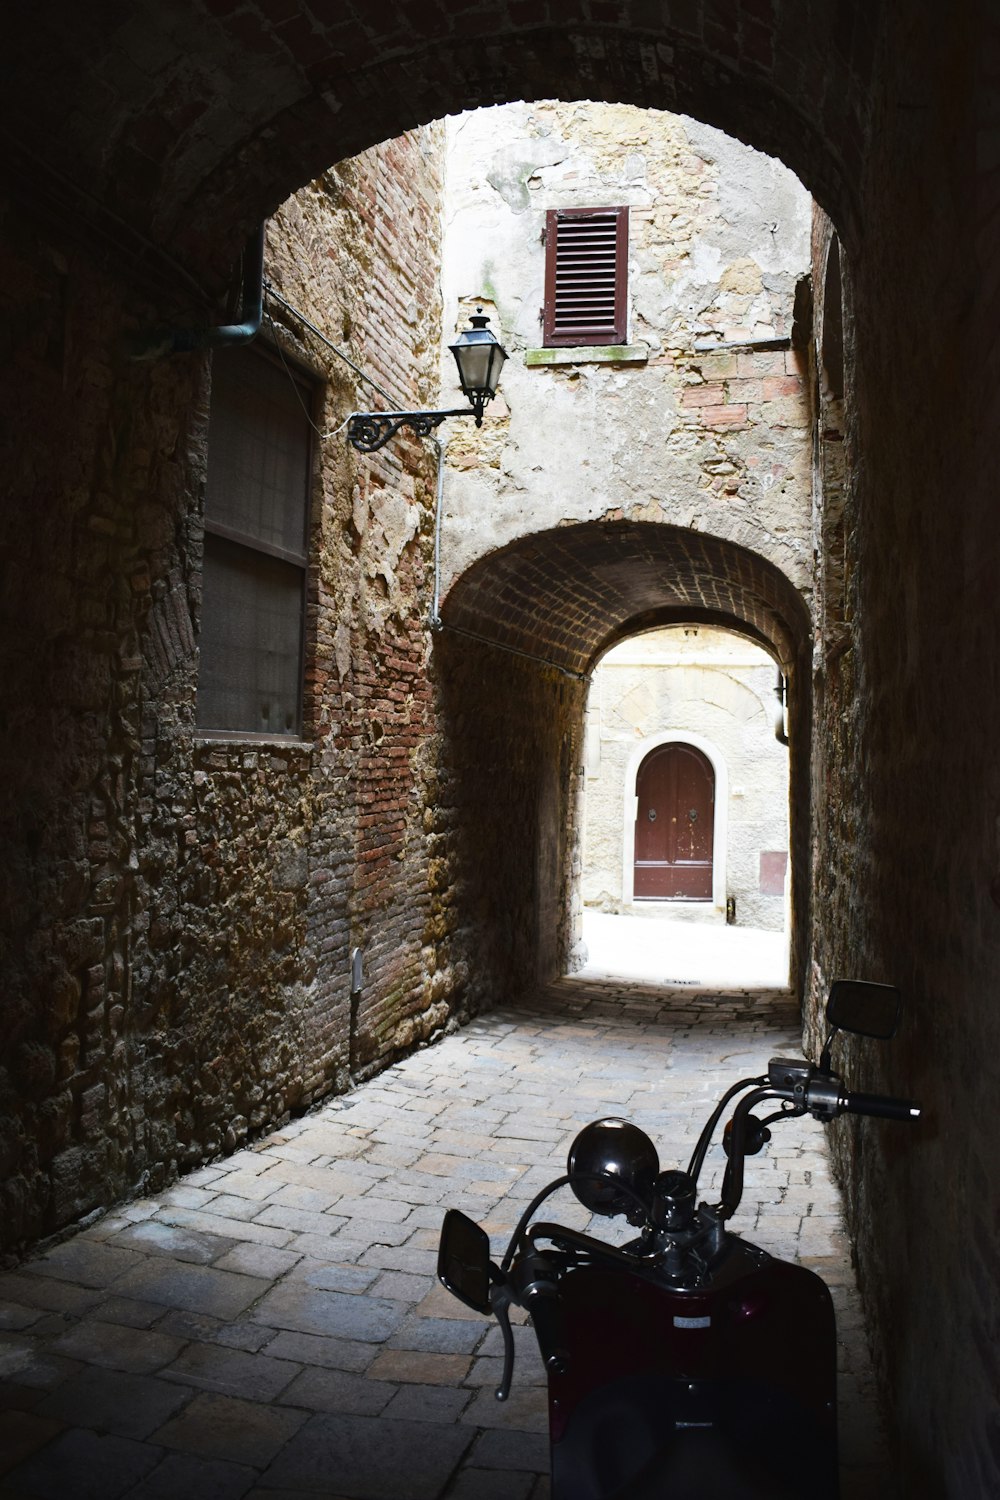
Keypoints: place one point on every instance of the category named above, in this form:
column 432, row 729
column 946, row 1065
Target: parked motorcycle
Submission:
column 686, row 1364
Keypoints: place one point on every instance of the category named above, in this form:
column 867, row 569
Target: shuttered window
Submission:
column 256, row 527
column 586, row 257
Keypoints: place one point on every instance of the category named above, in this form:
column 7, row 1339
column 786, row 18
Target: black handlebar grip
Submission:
column 882, row 1105
column 549, row 1324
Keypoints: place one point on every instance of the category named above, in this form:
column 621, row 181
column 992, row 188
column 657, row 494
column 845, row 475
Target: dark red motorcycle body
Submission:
column 686, row 1394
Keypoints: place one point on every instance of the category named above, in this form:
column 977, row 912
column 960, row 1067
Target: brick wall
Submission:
column 506, row 822
column 181, row 911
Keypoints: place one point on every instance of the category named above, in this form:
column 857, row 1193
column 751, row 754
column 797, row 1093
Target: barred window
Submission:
column 256, row 529
column 586, row 260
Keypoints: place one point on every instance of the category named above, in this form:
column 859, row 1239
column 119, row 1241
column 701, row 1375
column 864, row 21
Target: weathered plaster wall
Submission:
column 715, row 686
column 719, row 236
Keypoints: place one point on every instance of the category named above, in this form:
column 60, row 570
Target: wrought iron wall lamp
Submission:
column 479, row 357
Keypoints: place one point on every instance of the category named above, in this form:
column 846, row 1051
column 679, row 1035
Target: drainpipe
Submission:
column 780, row 692
column 435, row 621
column 189, row 340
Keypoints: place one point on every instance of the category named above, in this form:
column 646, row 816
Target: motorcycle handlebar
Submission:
column 536, row 1289
column 882, row 1105
column 550, row 1330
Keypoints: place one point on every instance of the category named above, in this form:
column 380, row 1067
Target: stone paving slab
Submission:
column 271, row 1327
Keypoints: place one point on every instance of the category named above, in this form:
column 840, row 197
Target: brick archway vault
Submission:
column 185, row 125
column 570, row 593
column 521, row 618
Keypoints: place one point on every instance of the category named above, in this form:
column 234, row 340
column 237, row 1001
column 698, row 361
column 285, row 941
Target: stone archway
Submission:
column 522, row 628
column 188, row 131
column 605, row 580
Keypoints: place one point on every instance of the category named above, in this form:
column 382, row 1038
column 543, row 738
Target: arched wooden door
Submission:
column 675, row 825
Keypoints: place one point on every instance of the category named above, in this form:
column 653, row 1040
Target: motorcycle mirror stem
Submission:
column 826, row 1056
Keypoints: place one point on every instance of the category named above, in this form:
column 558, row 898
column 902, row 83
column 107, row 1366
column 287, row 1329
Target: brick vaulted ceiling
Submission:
column 570, row 593
column 189, row 120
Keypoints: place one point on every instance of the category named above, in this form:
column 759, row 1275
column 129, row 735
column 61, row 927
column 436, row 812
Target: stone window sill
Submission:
column 248, row 737
column 591, row 354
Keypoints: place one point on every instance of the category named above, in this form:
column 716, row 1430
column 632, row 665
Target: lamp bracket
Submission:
column 367, row 431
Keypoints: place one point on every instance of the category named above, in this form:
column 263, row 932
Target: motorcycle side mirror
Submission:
column 864, row 1008
column 464, row 1261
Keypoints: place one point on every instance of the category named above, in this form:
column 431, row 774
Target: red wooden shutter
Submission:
column 586, row 257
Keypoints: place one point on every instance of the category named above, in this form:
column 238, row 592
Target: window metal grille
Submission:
column 256, row 527
column 586, row 261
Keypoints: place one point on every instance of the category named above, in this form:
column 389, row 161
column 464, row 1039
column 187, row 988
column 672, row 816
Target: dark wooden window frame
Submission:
column 586, row 277
column 306, row 385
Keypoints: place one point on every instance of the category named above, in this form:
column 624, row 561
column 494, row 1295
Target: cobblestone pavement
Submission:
column 272, row 1328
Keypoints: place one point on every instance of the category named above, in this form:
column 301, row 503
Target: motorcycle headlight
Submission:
column 622, row 1154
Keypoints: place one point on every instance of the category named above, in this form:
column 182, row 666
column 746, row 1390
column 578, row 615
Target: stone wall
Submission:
column 180, row 912
column 507, row 815
column 720, row 690
column 97, row 522
column 907, row 719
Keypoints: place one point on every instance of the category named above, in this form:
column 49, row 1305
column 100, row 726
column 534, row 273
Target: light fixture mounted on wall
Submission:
column 480, row 358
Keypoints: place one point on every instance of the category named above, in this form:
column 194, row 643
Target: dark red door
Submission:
column 674, row 826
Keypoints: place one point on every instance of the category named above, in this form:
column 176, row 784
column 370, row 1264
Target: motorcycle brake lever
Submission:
column 500, row 1300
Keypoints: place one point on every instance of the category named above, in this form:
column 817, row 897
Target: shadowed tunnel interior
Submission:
column 191, row 124
column 148, row 868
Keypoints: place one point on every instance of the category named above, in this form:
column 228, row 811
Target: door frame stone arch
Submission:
column 720, row 823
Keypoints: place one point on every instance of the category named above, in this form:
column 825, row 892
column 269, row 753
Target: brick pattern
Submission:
column 566, row 594
column 746, row 390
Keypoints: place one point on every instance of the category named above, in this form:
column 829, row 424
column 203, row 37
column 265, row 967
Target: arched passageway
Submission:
column 522, row 629
column 142, row 142
column 570, row 593
column 185, row 131
column 187, row 127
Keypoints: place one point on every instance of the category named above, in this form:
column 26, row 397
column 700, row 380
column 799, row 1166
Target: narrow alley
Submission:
column 300, row 767
column 272, row 1325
